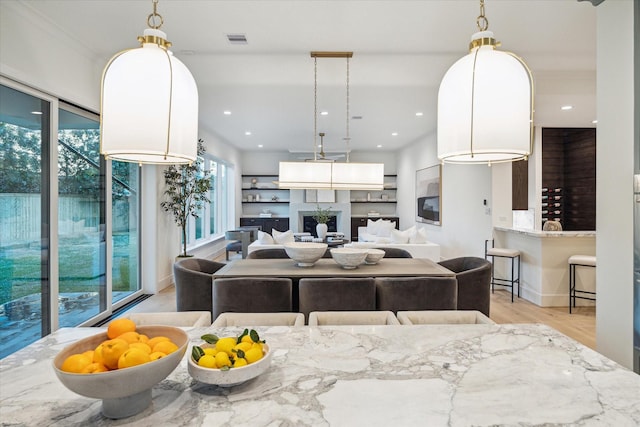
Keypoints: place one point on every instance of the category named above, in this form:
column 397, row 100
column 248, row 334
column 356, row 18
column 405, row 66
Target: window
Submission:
column 214, row 216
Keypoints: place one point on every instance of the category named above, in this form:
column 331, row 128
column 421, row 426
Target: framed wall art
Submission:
column 429, row 195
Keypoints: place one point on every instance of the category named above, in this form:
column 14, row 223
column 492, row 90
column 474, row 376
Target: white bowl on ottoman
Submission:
column 349, row 258
column 305, row 253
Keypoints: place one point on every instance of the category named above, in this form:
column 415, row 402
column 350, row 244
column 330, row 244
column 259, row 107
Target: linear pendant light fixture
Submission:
column 485, row 104
column 323, row 174
column 149, row 103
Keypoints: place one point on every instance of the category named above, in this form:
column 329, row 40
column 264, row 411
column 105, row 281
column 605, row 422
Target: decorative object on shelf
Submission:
column 322, row 174
column 143, row 119
column 249, row 197
column 257, row 197
column 485, row 104
column 187, row 190
column 428, row 189
column 384, row 197
column 274, row 198
column 254, row 181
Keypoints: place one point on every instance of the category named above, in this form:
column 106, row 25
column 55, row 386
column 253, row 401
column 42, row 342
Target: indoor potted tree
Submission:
column 321, row 216
column 187, row 191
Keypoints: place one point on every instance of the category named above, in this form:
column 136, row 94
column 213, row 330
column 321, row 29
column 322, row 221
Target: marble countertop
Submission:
column 426, row 375
column 538, row 233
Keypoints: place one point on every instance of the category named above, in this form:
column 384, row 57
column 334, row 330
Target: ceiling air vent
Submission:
column 237, row 38
column 356, row 117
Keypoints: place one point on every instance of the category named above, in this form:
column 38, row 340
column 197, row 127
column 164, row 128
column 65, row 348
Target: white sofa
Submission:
column 427, row 250
column 256, row 246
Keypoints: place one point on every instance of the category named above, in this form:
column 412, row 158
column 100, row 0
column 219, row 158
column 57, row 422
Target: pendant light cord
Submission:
column 315, row 107
column 347, row 138
column 482, row 22
column 154, row 20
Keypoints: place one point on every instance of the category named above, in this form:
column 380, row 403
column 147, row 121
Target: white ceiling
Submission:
column 401, row 51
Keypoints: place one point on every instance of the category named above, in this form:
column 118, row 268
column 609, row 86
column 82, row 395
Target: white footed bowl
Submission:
column 305, row 253
column 124, row 392
column 349, row 258
column 233, row 376
column 374, row 255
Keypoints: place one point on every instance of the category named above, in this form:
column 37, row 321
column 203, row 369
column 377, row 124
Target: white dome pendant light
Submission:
column 149, row 103
column 485, row 104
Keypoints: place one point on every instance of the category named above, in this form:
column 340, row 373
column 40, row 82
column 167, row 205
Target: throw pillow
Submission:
column 398, row 236
column 384, row 229
column 265, row 238
column 420, row 236
column 383, row 240
column 282, row 237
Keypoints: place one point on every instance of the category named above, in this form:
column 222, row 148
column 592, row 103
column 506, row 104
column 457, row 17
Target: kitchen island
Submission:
column 545, row 268
column 430, row 375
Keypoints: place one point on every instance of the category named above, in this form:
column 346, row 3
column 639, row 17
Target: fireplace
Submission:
column 309, row 224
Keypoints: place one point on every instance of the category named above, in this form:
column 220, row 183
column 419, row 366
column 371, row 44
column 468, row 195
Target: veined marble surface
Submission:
column 422, row 375
column 538, row 233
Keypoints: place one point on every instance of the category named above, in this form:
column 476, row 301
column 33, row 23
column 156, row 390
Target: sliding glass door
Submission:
column 69, row 225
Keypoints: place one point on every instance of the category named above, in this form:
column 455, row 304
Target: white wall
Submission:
column 614, row 187
column 465, row 222
column 41, row 56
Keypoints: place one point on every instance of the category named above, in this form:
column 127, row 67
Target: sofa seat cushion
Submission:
column 427, row 250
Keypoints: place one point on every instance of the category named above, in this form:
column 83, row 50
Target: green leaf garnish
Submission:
column 197, row 352
column 254, row 336
column 239, row 353
column 210, row 338
column 245, row 332
column 225, row 368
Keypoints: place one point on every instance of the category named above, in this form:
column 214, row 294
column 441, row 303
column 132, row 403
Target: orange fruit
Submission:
column 118, row 327
column 144, row 338
column 155, row 340
column 133, row 357
column 97, row 354
column 165, row 347
column 112, row 350
column 94, row 367
column 89, row 354
column 157, row 355
column 130, row 337
column 142, row 346
column 76, row 363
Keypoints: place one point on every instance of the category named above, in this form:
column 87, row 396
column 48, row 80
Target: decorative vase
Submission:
column 321, row 229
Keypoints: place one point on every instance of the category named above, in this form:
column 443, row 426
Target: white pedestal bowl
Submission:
column 305, row 253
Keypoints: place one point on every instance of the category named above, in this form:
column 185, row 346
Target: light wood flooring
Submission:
column 581, row 325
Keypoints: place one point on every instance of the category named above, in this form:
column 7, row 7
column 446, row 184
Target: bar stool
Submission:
column 582, row 261
column 512, row 254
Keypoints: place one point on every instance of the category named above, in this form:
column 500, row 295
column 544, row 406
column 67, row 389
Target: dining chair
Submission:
column 251, row 295
column 320, row 318
column 336, row 294
column 474, row 282
column 259, row 319
column 416, row 293
column 171, row 318
column 443, row 317
column 395, row 252
column 268, row 253
column 192, row 277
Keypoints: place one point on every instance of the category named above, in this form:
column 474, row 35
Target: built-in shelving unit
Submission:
column 263, row 203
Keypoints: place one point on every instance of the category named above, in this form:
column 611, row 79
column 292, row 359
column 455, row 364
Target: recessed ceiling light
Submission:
column 247, row 133
column 566, row 107
column 594, row 121
column 419, row 114
column 237, row 38
column 324, row 113
column 37, row 113
column 379, row 145
column 226, row 113
column 394, row 134
column 260, row 145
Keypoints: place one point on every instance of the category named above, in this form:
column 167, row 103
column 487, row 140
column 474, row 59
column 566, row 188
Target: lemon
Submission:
column 210, row 351
column 222, row 359
column 240, row 362
column 226, row 345
column 253, row 354
column 207, row 361
column 244, row 346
